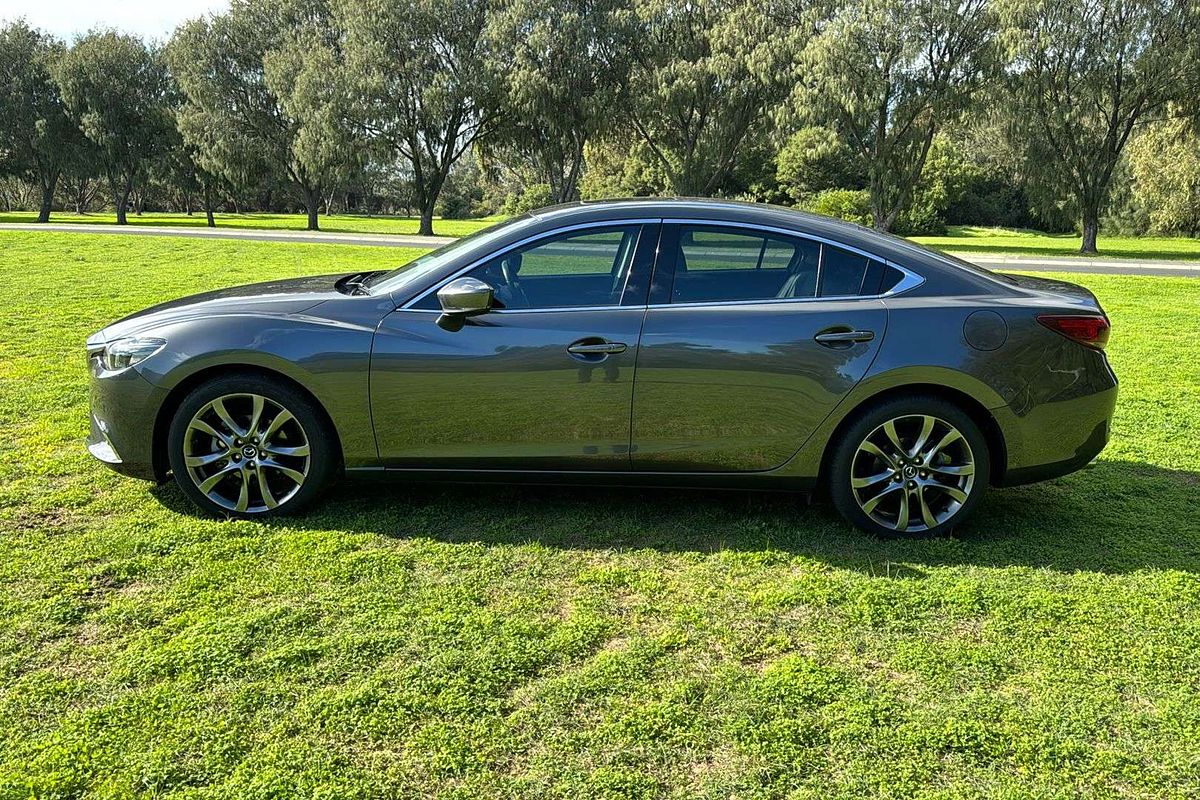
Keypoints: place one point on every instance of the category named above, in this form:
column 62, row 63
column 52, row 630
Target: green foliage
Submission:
column 1082, row 77
column 886, row 75
column 563, row 64
column 704, row 76
column 532, row 197
column 115, row 88
column 852, row 205
column 260, row 100
column 425, row 87
column 38, row 140
column 1165, row 163
column 524, row 642
column 814, row 159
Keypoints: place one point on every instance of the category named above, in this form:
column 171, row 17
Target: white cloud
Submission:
column 151, row 19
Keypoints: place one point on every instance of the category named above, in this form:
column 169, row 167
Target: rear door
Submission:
column 751, row 337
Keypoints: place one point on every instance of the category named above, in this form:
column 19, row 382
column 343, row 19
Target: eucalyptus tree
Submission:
column 705, row 74
column 885, row 75
column 37, row 137
column 114, row 86
column 563, row 64
column 426, row 90
column 263, row 96
column 1084, row 75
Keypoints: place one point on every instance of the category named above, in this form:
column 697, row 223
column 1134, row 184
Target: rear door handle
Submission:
column 829, row 338
column 596, row 348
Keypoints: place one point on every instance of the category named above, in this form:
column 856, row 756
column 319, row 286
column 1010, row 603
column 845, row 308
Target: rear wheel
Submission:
column 910, row 467
column 248, row 446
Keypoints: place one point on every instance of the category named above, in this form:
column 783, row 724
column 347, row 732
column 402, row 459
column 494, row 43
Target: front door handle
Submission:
column 834, row 338
column 593, row 348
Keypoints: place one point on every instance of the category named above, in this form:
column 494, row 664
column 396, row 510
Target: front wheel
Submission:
column 910, row 467
column 248, row 446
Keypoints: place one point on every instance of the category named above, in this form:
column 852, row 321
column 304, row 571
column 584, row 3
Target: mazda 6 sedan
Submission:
column 682, row 342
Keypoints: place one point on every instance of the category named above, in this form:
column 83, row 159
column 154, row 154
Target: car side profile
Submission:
column 666, row 342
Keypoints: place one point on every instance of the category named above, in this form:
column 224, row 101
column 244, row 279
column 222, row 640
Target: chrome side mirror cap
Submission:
column 462, row 298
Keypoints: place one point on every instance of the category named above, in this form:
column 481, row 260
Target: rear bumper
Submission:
column 1055, row 439
column 124, row 407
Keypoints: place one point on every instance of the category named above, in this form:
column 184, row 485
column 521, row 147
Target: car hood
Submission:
column 289, row 296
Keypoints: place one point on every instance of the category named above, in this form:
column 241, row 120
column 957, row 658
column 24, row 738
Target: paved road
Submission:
column 1111, row 266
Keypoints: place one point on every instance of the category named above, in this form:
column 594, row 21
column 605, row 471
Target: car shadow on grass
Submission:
column 1117, row 517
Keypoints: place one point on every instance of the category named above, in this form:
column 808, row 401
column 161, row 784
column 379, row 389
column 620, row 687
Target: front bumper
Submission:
column 124, row 410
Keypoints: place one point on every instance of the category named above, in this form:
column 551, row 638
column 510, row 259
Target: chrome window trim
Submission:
column 521, row 243
column 909, row 280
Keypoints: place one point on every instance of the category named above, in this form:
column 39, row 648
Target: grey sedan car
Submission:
column 685, row 342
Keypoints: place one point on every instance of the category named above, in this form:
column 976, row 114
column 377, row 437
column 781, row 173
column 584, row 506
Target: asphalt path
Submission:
column 1003, row 263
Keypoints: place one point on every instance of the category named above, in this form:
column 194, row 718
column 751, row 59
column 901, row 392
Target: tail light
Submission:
column 1089, row 329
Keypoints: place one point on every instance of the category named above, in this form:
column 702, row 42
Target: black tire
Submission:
column 308, row 427
column 908, row 414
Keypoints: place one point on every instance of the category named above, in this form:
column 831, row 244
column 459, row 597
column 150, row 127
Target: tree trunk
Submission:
column 426, row 227
column 208, row 206
column 1091, row 225
column 48, row 187
column 312, row 201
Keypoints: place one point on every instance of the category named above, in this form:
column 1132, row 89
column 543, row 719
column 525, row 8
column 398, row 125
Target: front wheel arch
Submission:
column 997, row 447
column 166, row 412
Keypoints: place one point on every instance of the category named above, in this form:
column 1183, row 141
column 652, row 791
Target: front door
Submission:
column 544, row 381
column 750, row 339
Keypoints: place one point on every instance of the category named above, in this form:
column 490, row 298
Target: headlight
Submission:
column 124, row 353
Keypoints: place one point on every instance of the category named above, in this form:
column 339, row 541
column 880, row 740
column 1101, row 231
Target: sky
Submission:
column 151, row 19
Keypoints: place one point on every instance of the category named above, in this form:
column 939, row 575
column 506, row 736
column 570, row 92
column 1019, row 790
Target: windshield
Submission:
column 421, row 266
column 951, row 259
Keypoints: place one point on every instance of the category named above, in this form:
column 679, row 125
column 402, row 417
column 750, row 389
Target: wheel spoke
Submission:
column 902, row 519
column 205, row 460
column 954, row 470
column 268, row 499
column 953, row 491
column 874, row 502
column 926, row 512
column 202, row 426
column 243, row 501
column 295, row 475
column 255, row 413
column 222, row 412
column 280, row 419
column 889, row 428
column 863, row 483
column 951, row 436
column 208, row 483
column 923, row 437
column 873, row 449
column 299, row 450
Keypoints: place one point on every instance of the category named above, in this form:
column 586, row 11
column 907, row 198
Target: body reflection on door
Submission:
column 503, row 392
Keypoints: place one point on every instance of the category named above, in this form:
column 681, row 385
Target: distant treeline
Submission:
column 902, row 114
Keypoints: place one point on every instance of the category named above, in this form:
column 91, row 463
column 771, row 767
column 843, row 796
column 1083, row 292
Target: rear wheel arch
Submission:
column 175, row 398
column 997, row 447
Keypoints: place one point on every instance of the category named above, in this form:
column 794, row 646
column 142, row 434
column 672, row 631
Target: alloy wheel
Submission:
column 246, row 452
column 912, row 473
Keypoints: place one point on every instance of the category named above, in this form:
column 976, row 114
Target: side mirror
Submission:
column 462, row 298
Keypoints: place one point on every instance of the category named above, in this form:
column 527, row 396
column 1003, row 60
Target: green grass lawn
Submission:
column 1006, row 241
column 414, row 641
column 958, row 238
column 336, row 223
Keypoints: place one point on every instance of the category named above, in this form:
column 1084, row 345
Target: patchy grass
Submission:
column 524, row 642
column 335, row 223
column 1007, row 241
